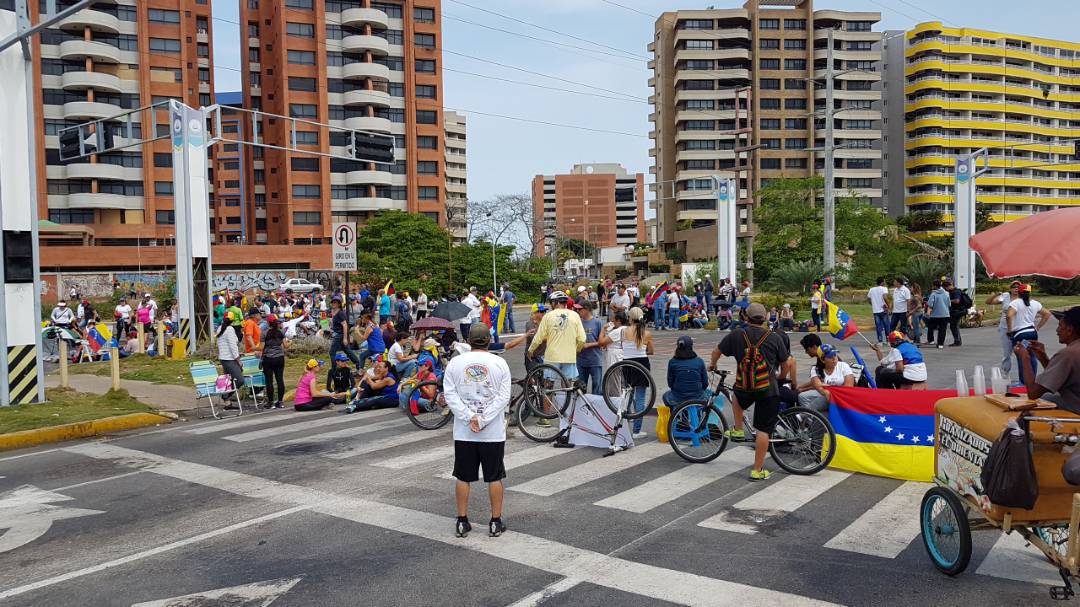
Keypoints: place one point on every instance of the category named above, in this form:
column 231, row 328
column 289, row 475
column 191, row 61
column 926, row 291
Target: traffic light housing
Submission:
column 73, row 143
column 371, row 147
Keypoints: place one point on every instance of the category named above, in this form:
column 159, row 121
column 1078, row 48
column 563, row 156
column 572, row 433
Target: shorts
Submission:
column 766, row 412
column 470, row 456
column 569, row 371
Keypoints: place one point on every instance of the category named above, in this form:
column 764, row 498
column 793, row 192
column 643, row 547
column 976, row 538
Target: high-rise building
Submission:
column 727, row 80
column 1018, row 96
column 893, row 44
column 457, row 194
column 602, row 204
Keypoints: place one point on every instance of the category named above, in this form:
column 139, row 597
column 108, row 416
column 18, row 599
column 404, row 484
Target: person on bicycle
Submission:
column 760, row 353
column 477, row 389
column 687, row 378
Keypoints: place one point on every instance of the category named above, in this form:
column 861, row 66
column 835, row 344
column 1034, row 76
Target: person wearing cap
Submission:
column 122, row 313
column 273, row 360
column 339, row 331
column 561, row 334
column 228, row 345
column 1024, row 319
column 62, row 316
column 340, row 378
column 1059, row 381
column 376, row 389
column 775, row 352
column 903, row 365
column 476, row 386
column 1004, row 299
column 828, row 371
column 590, row 359
column 687, row 378
column 305, row 399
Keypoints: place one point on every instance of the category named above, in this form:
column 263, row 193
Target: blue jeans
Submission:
column 1030, row 335
column 639, row 405
column 673, row 318
column 671, row 400
column 899, row 322
column 591, row 376
column 569, row 371
column 916, row 327
column 508, row 322
column 881, row 325
column 337, row 345
column 405, row 369
column 659, row 316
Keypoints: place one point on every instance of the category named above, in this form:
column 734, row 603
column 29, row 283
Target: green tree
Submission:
column 409, row 248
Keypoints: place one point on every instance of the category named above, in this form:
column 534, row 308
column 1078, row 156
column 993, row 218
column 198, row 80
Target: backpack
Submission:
column 753, row 373
column 965, row 300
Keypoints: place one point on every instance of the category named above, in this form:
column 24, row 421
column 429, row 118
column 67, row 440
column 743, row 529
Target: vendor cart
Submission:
column 965, row 429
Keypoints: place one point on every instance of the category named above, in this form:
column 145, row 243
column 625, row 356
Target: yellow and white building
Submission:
column 1017, row 96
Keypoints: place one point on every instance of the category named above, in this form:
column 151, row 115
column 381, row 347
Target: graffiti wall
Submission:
column 243, row 281
column 99, row 285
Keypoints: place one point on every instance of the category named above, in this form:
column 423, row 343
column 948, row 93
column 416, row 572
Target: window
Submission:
column 158, row 15
column 71, row 216
column 297, row 83
column 795, row 45
column 427, row 167
column 305, row 164
column 426, row 91
column 769, row 64
column 793, row 84
column 794, row 163
column 204, row 74
column 427, row 142
column 698, row 125
column 426, row 117
column 700, row 144
column 165, row 45
column 794, row 24
column 770, row 43
column 770, row 123
column 392, row 10
column 202, row 50
column 392, row 36
column 860, row 46
column 303, row 110
column 306, row 218
column 232, row 165
column 697, row 24
column 795, row 64
column 858, row 85
column 700, row 104
column 254, row 79
column 424, row 40
column 301, row 57
column 770, row 144
column 307, row 138
column 306, row 191
column 299, row 4
column 795, row 143
column 397, row 89
column 769, row 104
column 162, row 159
column 866, row 66
column 858, row 124
column 253, row 55
column 163, row 188
column 858, row 26
column 300, row 30
column 165, row 217
column 769, row 84
column 699, row 45
column 426, row 66
column 795, row 123
column 396, row 64
column 769, row 24
column 700, row 165
column 795, row 104
column 860, row 183
column 428, row 193
column 698, row 64
column 424, row 15
column 123, row 188
column 770, row 163
column 699, row 85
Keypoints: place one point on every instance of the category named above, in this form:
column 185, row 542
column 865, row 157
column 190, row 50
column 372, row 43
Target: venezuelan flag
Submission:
column 659, row 290
column 885, row 432
column 839, row 323
column 98, row 337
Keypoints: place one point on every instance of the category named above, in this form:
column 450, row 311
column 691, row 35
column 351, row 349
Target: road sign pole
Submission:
column 967, row 170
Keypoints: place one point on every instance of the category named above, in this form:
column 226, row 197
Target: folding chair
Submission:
column 204, row 375
column 85, row 353
column 862, row 367
column 253, row 376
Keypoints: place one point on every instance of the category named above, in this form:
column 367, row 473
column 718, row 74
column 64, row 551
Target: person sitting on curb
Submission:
column 376, row 390
column 827, row 371
column 904, row 365
column 305, row 399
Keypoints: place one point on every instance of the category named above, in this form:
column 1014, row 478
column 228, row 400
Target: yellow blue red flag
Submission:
column 885, row 432
column 839, row 323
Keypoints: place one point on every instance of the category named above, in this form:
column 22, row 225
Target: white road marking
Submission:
column 131, row 558
column 524, row 457
column 546, row 555
column 27, row 513
column 783, row 496
column 435, row 454
column 94, row 482
column 352, row 431
column 888, row 527
column 670, row 487
column 593, row 469
column 322, row 422
column 537, row 598
column 42, row 452
column 270, row 418
column 356, row 448
column 1011, row 558
column 259, row 594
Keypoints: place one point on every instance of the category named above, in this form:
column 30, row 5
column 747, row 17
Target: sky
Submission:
column 603, row 45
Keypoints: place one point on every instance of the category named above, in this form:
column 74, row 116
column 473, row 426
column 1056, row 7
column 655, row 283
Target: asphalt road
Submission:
column 328, row 509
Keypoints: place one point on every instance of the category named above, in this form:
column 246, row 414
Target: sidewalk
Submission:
column 162, row 397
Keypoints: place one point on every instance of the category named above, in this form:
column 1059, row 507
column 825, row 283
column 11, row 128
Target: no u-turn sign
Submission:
column 344, row 246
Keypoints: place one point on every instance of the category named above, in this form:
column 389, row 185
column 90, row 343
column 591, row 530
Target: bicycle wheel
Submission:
column 629, row 389
column 803, row 441
column 545, row 398
column 945, row 531
column 696, row 431
column 428, row 413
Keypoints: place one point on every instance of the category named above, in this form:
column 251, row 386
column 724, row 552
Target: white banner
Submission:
column 584, row 419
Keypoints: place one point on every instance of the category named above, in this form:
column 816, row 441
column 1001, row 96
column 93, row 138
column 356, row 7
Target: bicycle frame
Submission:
column 611, row 432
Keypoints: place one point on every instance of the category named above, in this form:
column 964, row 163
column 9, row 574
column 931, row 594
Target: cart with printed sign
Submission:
column 965, row 429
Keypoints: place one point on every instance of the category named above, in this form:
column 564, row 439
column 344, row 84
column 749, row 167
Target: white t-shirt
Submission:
column 836, row 378
column 815, row 300
column 1025, row 315
column 614, row 352
column 623, row 301
column 877, row 298
column 912, row 371
column 900, row 297
column 474, row 307
column 1005, row 298
column 633, row 292
column 124, row 310
column 673, row 300
column 396, row 352
column 478, row 384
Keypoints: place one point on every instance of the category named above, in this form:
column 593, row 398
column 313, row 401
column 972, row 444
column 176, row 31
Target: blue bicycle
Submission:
column 803, row 441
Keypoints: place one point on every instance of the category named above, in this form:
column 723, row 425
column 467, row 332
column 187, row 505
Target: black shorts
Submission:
column 766, row 411
column 469, row 456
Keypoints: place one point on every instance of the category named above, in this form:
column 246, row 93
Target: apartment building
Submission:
column 355, row 64
column 602, row 204
column 728, row 80
column 967, row 89
column 457, row 194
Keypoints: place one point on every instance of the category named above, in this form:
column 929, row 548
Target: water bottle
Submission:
column 980, row 381
column 998, row 382
column 961, row 383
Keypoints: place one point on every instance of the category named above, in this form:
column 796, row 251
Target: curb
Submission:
column 55, row 434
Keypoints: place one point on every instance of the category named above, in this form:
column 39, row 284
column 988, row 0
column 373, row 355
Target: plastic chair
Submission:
column 862, row 363
column 253, row 375
column 204, row 376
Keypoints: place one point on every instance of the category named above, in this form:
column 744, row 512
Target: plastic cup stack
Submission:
column 980, row 381
column 998, row 382
column 962, row 384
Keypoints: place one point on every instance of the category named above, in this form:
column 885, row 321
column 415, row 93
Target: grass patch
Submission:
column 175, row 372
column 66, row 406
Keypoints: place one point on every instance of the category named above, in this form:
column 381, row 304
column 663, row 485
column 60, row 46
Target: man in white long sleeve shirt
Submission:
column 476, row 386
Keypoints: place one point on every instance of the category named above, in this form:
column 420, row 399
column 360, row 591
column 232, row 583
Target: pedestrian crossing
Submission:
column 782, row 496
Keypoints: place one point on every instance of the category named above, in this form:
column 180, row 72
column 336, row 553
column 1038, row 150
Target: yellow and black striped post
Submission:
column 185, row 329
column 22, row 374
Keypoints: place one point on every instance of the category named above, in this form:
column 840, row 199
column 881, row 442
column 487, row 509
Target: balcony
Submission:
column 101, row 170
column 456, row 173
column 376, row 98
column 368, row 123
column 95, row 20
column 82, row 49
column 367, row 204
column 90, row 200
column 357, row 71
column 357, row 17
column 96, row 80
column 720, row 53
column 728, row 33
column 360, row 43
column 369, row 178
column 90, row 110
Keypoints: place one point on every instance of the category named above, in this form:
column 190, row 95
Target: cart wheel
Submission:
column 945, row 531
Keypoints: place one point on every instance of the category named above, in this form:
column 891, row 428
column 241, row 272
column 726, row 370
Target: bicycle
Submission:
column 627, row 389
column 432, row 413
column 803, row 441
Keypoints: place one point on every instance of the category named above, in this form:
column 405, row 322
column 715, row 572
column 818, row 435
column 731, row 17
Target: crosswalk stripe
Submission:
column 1011, row 558
column 349, row 432
column 670, row 487
column 888, row 527
column 783, row 496
column 243, row 422
column 592, row 470
column 524, row 457
column 362, row 447
column 435, row 454
column 322, row 422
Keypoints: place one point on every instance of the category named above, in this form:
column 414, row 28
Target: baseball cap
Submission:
column 1025, row 288
column 896, row 337
column 479, row 334
column 340, row 357
column 827, row 351
column 684, row 343
column 756, row 311
column 271, row 319
column 581, row 289
column 312, row 363
column 1071, row 316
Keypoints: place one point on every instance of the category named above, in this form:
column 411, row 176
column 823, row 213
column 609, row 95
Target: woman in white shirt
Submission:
column 1003, row 300
column 1023, row 321
column 612, row 339
column 228, row 344
column 829, row 371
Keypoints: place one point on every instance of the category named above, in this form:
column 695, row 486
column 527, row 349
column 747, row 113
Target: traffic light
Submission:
column 105, row 140
column 73, row 143
column 371, row 147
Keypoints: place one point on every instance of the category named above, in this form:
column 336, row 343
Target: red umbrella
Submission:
column 1045, row 244
column 431, row 323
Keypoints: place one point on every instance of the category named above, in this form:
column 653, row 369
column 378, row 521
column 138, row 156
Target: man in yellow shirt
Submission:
column 562, row 334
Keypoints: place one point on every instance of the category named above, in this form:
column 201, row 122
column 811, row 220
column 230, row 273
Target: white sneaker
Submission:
column 640, row 435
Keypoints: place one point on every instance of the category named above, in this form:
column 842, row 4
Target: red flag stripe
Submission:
column 888, row 402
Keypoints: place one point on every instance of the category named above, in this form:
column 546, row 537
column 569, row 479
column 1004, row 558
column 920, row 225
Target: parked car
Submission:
column 300, row 285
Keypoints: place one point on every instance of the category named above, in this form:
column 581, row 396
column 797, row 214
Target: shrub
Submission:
column 1057, row 286
column 796, row 276
column 769, row 300
column 923, row 270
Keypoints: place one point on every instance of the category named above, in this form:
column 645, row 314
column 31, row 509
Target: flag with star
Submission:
column 885, row 432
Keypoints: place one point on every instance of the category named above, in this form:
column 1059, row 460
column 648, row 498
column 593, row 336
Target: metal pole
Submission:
column 830, row 203
column 494, row 279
